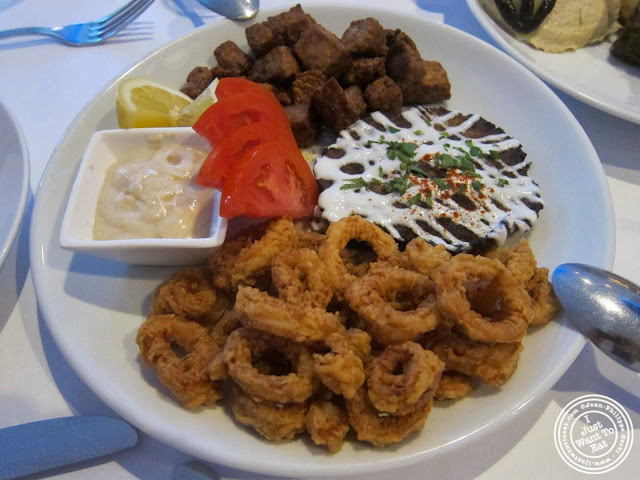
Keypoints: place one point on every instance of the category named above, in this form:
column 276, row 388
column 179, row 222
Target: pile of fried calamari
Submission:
column 325, row 333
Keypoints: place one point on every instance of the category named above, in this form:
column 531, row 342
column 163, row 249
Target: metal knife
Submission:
column 38, row 446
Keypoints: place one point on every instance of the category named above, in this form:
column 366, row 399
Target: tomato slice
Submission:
column 221, row 159
column 255, row 159
column 266, row 182
column 236, row 85
column 236, row 111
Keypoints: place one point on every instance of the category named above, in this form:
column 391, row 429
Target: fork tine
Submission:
column 113, row 15
column 117, row 24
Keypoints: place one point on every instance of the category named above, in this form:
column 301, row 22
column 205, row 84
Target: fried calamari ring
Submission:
column 424, row 257
column 187, row 377
column 309, row 239
column 244, row 347
column 519, row 260
column 273, row 421
column 189, row 293
column 493, row 363
column 341, row 370
column 283, row 319
column 327, row 424
column 223, row 260
column 255, row 261
column 230, row 321
column 301, row 279
column 339, row 234
column 453, row 386
column 359, row 341
column 418, row 378
column 397, row 304
column 381, row 430
column 509, row 318
column 544, row 302
column 217, row 369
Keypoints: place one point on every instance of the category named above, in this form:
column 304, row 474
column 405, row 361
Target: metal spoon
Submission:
column 604, row 307
column 233, row 9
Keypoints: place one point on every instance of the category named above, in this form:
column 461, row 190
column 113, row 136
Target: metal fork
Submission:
column 90, row 33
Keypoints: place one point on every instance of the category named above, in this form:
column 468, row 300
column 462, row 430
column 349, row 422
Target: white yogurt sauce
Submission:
column 151, row 194
column 486, row 221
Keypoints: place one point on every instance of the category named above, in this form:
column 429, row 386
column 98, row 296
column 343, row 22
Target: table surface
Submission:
column 45, row 84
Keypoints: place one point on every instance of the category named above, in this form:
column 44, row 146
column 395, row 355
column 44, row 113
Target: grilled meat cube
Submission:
column 231, row 58
column 283, row 95
column 433, row 87
column 198, row 79
column 303, row 124
column 320, row 49
column 279, row 66
column 404, row 63
column 384, row 95
column 365, row 38
column 290, row 25
column 364, row 70
column 356, row 100
column 332, row 105
column 262, row 38
column 306, row 83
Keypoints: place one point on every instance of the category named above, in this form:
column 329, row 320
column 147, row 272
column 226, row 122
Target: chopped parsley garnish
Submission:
column 428, row 201
column 398, row 181
column 443, row 135
column 392, row 129
column 399, row 184
column 442, row 185
column 419, row 132
column 415, row 199
column 494, row 154
column 462, row 162
column 503, row 182
column 403, row 151
column 355, row 183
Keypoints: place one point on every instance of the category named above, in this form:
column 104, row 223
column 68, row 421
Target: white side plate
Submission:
column 14, row 180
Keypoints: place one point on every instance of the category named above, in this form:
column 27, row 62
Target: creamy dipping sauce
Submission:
column 151, row 194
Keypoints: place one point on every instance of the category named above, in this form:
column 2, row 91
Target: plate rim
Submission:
column 245, row 463
column 24, row 187
column 494, row 31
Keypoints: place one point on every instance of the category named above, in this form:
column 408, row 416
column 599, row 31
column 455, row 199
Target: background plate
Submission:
column 93, row 307
column 14, row 180
column 589, row 74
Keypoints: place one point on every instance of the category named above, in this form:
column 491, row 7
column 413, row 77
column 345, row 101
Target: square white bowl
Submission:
column 104, row 149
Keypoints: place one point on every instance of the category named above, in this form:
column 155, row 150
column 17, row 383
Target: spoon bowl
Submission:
column 604, row 307
column 233, row 9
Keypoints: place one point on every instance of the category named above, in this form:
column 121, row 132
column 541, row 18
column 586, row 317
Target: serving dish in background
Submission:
column 590, row 74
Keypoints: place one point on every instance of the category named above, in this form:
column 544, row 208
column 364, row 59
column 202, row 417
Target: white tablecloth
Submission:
column 45, row 84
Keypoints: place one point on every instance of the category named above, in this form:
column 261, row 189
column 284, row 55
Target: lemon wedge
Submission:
column 192, row 112
column 145, row 103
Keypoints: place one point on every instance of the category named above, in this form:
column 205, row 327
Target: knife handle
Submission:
column 38, row 446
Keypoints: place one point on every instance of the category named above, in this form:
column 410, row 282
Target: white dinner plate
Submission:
column 14, row 180
column 94, row 307
column 589, row 74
